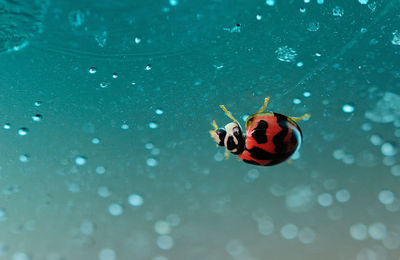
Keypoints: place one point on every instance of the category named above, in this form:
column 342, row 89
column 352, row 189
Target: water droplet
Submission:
column 395, row 170
column 151, row 162
column 149, row 146
column 337, row 11
column 313, row 26
column 135, row 200
column 87, row 227
column 302, row 10
column 386, row 197
column 104, row 192
column 100, row 169
column 162, row 227
column 366, row 127
column 155, row 151
column 348, row 108
column 37, row 118
column 388, row 149
column 258, row 17
column 286, row 54
column 92, row 70
column 359, row 231
column 159, row 111
column 80, row 160
column 95, row 140
column 320, row 2
column 363, row 2
column 104, row 84
column 173, row 2
column 307, row 94
column 289, row 231
column 325, row 199
column 3, row 215
column 21, row 256
column 299, row 64
column 23, row 131
column 376, row 140
column 115, row 209
column 165, row 242
column 7, row 126
column 107, row 254
column 396, row 38
column 270, row 2
column 24, row 158
column 137, row 40
column 37, row 103
column 296, row 101
column 124, row 126
column 115, row 75
column 153, row 125
column 377, row 231
column 343, row 196
column 306, row 235
column 148, row 67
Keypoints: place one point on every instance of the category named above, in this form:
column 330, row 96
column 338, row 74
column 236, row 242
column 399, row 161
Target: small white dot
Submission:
column 289, row 231
column 100, row 169
column 386, row 197
column 80, row 160
column 348, row 108
column 115, row 209
column 107, row 254
column 135, row 200
column 343, row 196
column 151, row 162
column 165, row 242
column 325, row 199
column 153, row 125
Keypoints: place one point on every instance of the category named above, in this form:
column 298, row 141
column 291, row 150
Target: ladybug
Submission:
column 270, row 138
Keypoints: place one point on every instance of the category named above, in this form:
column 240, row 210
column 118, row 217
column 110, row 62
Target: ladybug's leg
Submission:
column 228, row 113
column 297, row 119
column 264, row 106
column 214, row 124
column 227, row 153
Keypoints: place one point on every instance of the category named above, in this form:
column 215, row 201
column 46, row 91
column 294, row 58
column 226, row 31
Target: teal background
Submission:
column 210, row 208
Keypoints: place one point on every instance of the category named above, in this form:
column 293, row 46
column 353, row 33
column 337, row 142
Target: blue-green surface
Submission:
column 116, row 162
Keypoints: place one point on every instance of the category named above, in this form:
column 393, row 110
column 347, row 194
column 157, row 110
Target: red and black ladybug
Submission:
column 270, row 138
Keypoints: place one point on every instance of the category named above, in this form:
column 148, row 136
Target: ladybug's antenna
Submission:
column 297, row 119
column 264, row 106
column 228, row 113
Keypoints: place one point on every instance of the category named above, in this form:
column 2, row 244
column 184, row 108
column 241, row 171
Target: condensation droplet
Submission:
column 23, row 131
column 92, row 70
column 37, row 118
column 348, row 108
column 151, row 162
column 115, row 209
column 80, row 160
column 135, row 200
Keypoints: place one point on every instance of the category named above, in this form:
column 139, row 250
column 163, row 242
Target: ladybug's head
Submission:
column 231, row 137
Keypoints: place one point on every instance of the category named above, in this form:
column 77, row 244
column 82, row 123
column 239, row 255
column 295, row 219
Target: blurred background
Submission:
column 105, row 108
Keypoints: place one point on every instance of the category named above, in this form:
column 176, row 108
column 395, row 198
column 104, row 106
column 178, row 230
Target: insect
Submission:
column 270, row 137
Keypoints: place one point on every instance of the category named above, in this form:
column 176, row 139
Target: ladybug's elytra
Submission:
column 270, row 138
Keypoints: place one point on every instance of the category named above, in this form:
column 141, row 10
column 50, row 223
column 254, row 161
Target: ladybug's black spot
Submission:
column 279, row 138
column 251, row 162
column 241, row 142
column 221, row 134
column 261, row 154
column 230, row 144
column 259, row 133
